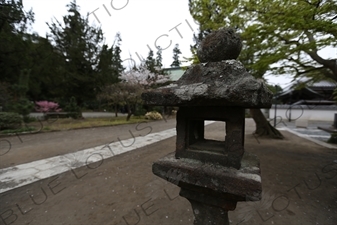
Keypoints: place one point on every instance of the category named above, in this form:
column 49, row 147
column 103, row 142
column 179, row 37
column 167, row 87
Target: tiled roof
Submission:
column 324, row 84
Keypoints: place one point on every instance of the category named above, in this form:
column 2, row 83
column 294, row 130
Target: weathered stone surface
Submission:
column 213, row 175
column 192, row 144
column 219, row 45
column 207, row 214
column 213, row 180
column 225, row 83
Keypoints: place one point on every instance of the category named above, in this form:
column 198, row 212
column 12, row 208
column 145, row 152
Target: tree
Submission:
column 14, row 22
column 277, row 34
column 5, row 95
column 123, row 93
column 159, row 63
column 104, row 68
column 20, row 103
column 150, row 62
column 144, row 77
column 128, row 92
column 159, row 58
column 117, row 62
column 276, row 39
column 47, row 68
column 79, row 44
column 21, row 50
column 176, row 53
column 154, row 65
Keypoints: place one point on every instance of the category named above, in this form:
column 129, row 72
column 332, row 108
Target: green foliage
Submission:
column 22, row 106
column 5, row 95
column 275, row 88
column 157, row 108
column 150, row 62
column 9, row 120
column 117, row 61
column 86, row 62
column 46, row 128
column 13, row 44
column 193, row 59
column 123, row 94
column 29, row 119
column 176, row 53
column 159, row 58
column 70, row 61
column 74, row 111
column 159, row 63
column 110, row 63
column 20, row 89
column 139, row 111
column 273, row 33
column 19, row 130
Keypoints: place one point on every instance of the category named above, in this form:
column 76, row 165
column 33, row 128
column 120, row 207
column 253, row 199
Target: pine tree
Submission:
column 110, row 63
column 159, row 64
column 104, row 69
column 159, row 58
column 150, row 62
column 176, row 53
column 79, row 45
column 21, row 104
column 14, row 48
column 117, row 63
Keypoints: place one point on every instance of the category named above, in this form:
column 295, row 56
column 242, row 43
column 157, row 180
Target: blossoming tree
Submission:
column 45, row 106
column 128, row 91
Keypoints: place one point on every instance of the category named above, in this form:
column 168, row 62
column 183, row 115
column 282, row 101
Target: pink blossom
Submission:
column 45, row 106
column 143, row 76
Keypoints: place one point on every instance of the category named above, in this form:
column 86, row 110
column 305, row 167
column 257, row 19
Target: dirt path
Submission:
column 299, row 187
column 27, row 148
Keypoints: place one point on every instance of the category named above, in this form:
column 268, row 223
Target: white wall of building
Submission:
column 304, row 113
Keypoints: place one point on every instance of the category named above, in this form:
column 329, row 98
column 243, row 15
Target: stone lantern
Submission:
column 213, row 175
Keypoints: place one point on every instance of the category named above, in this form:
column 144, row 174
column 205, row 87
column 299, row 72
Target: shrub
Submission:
column 23, row 107
column 153, row 116
column 74, row 111
column 45, row 106
column 10, row 120
column 140, row 111
column 157, row 109
column 29, row 119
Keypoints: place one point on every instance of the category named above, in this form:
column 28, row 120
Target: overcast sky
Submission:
column 143, row 24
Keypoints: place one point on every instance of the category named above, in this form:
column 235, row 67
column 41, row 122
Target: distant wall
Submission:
column 321, row 113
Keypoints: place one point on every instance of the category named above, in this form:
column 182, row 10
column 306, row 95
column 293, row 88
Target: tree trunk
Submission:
column 263, row 127
column 116, row 110
column 129, row 113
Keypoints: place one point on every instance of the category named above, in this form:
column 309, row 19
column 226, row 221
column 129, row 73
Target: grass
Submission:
column 69, row 124
column 19, row 130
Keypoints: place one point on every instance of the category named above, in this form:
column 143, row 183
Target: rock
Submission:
column 220, row 45
column 225, row 83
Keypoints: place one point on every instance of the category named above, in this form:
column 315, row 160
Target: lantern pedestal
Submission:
column 212, row 190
